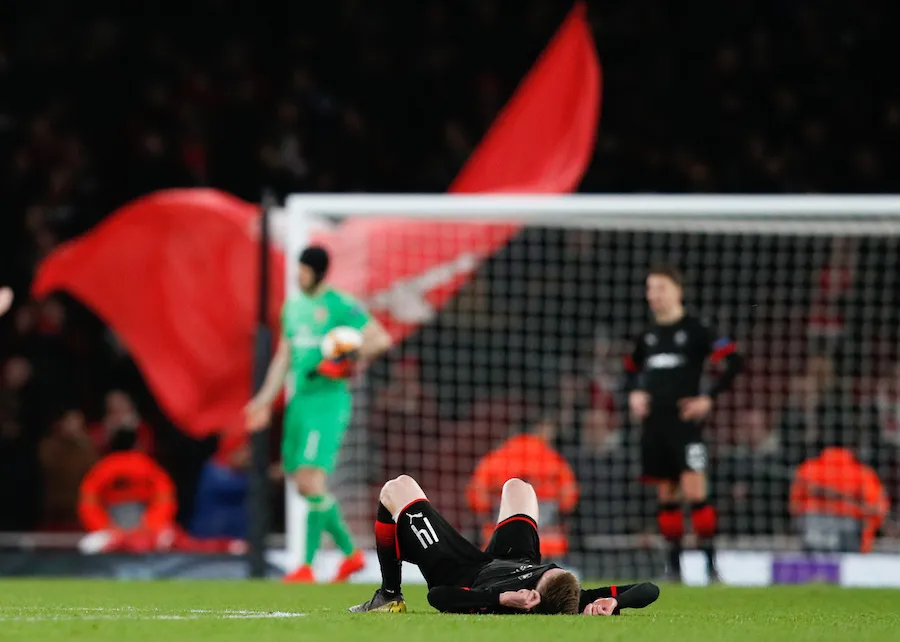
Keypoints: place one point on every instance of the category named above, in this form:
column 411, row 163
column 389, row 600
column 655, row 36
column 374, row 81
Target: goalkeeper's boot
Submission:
column 302, row 575
column 353, row 563
column 383, row 602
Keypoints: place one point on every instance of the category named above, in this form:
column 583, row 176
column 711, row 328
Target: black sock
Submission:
column 670, row 519
column 675, row 549
column 386, row 547
column 703, row 521
column 709, row 550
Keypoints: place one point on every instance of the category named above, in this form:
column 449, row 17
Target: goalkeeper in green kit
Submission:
column 319, row 412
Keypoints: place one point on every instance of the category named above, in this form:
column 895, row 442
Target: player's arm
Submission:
column 627, row 596
column 376, row 340
column 6, row 300
column 259, row 410
column 722, row 353
column 633, row 364
column 453, row 599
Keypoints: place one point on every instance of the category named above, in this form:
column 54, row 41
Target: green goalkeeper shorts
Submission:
column 314, row 427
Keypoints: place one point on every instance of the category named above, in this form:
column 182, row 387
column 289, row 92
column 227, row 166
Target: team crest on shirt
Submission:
column 321, row 315
column 680, row 337
column 650, row 339
column 304, row 338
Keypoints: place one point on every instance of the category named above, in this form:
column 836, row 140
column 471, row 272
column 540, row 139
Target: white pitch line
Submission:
column 131, row 613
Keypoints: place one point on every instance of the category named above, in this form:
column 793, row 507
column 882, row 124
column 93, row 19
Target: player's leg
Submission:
column 516, row 534
column 518, row 498
column 670, row 520
column 325, row 420
column 291, row 461
column 694, row 489
column 395, row 495
column 310, row 483
column 418, row 534
column 399, row 493
column 313, row 433
column 656, row 469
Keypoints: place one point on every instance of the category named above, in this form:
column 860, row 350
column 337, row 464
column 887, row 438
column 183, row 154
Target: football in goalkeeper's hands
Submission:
column 340, row 342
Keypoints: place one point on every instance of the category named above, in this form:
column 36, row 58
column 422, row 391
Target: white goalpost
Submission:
column 533, row 339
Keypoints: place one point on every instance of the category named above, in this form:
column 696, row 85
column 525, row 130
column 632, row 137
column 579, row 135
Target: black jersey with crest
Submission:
column 509, row 575
column 668, row 360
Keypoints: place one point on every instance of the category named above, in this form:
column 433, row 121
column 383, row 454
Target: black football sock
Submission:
column 386, row 547
column 709, row 550
column 674, row 558
column 704, row 521
column 670, row 519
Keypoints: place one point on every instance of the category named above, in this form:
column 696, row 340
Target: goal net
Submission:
column 512, row 315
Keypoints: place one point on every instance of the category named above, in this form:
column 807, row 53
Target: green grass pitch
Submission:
column 39, row 611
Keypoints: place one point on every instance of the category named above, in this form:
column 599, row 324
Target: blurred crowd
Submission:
column 99, row 105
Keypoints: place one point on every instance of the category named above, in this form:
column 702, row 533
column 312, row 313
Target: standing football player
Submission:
column 664, row 379
column 319, row 411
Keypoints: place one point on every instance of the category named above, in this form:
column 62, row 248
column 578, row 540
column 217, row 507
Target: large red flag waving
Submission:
column 542, row 142
column 173, row 273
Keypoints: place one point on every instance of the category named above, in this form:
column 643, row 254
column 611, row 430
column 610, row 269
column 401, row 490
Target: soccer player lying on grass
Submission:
column 507, row 577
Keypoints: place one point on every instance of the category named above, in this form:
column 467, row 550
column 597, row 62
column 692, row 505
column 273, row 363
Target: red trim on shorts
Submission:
column 517, row 518
column 652, row 481
column 629, row 364
column 405, row 508
column 614, row 590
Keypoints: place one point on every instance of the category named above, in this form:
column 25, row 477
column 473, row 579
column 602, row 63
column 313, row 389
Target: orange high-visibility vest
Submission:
column 126, row 477
column 532, row 459
column 835, row 483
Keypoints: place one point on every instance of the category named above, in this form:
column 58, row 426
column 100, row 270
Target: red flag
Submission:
column 172, row 274
column 542, row 142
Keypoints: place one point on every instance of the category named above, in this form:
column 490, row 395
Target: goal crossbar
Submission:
column 849, row 215
column 535, row 208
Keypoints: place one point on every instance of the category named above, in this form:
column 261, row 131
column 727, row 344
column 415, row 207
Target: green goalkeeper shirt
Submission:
column 305, row 320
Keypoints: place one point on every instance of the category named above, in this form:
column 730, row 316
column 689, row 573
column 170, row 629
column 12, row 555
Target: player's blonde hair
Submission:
column 560, row 594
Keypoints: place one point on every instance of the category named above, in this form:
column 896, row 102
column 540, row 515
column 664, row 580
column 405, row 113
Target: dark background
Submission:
column 103, row 102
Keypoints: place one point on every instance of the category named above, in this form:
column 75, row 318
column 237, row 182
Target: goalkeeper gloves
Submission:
column 341, row 368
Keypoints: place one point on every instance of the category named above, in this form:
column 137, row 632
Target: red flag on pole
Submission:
column 173, row 273
column 542, row 142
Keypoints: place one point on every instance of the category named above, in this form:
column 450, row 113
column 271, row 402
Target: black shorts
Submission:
column 516, row 538
column 670, row 447
column 444, row 556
